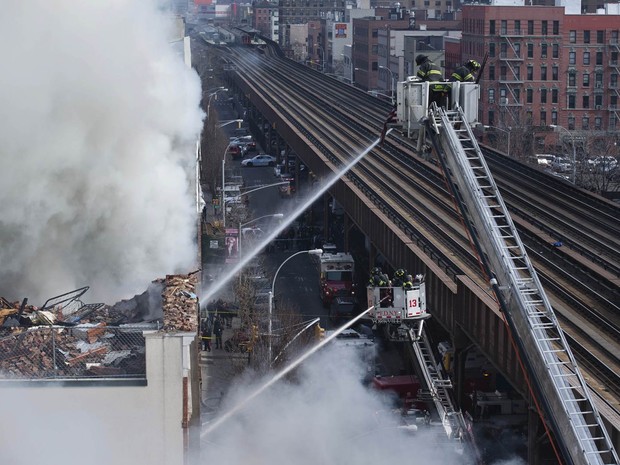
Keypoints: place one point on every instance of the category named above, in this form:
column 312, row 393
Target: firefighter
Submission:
column 375, row 277
column 399, row 277
column 408, row 283
column 429, row 71
column 466, row 72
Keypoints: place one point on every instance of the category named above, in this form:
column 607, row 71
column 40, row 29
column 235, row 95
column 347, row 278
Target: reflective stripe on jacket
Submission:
column 462, row 74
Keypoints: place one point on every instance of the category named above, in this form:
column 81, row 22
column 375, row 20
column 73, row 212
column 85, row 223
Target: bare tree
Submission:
column 597, row 168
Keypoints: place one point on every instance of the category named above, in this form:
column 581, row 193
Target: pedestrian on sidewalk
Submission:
column 206, row 336
column 218, row 330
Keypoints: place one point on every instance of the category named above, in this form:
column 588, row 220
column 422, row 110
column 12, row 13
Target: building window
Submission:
column 586, row 80
column 554, row 117
column 503, row 27
column 543, row 73
column 491, row 117
column 492, row 49
column 613, row 101
column 598, row 80
column 502, row 73
column 571, row 101
column 491, row 95
column 572, row 37
column 517, row 27
column 585, row 123
column 614, row 58
column 517, row 94
column 614, row 37
column 543, row 50
column 599, row 58
column 556, row 28
column 613, row 80
column 503, row 49
column 586, row 101
column 530, row 73
column 530, row 27
column 586, row 37
column 492, row 72
column 555, row 50
column 598, row 123
column 517, row 72
column 492, row 27
column 600, row 37
column 530, row 50
column 554, row 96
column 571, row 123
column 586, row 58
column 572, row 58
column 572, row 80
column 543, row 118
column 598, row 100
column 529, row 94
column 544, row 28
column 612, row 122
column 554, row 73
column 543, row 95
column 517, row 46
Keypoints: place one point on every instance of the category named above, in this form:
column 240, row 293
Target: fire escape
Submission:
column 613, row 84
column 510, row 79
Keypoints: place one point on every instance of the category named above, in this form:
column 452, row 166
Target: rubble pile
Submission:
column 97, row 340
column 180, row 303
column 66, row 352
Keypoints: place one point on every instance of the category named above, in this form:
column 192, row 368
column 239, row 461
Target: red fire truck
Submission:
column 337, row 272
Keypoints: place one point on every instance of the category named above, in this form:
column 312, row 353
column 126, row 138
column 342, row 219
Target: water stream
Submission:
column 244, row 260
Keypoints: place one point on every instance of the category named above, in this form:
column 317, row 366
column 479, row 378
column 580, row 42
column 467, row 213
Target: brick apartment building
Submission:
column 545, row 67
column 366, row 46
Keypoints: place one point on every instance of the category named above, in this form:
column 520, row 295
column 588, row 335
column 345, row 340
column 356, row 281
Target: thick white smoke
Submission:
column 99, row 122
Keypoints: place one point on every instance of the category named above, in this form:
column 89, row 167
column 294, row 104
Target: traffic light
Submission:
column 319, row 333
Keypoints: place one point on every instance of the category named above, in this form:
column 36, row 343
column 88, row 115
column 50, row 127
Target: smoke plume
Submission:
column 100, row 117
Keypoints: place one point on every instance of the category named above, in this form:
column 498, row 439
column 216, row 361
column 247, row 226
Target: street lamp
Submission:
column 213, row 94
column 391, row 79
column 572, row 139
column 246, row 192
column 241, row 225
column 507, row 131
column 273, row 287
column 226, row 123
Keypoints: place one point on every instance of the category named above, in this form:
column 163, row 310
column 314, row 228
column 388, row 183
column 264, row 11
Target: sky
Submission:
column 100, row 121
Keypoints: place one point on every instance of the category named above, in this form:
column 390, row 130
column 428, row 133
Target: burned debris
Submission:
column 66, row 338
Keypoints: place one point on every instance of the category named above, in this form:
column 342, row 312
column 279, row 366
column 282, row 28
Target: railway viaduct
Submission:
column 467, row 311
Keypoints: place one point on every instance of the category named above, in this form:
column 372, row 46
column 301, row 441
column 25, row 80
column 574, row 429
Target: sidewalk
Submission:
column 218, row 369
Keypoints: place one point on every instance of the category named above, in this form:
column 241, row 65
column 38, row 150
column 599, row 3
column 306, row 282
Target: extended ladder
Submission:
column 451, row 420
column 545, row 351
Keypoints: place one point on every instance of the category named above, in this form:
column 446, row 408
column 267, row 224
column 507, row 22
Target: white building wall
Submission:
column 102, row 422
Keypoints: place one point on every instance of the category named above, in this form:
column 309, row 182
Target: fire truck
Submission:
column 336, row 276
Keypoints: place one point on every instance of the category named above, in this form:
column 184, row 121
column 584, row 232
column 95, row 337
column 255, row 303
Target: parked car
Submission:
column 561, row 164
column 259, row 160
column 235, row 151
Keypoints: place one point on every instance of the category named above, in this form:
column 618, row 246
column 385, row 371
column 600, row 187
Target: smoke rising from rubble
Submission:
column 100, row 118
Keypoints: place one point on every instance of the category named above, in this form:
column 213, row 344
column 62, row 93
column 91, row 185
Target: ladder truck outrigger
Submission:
column 559, row 386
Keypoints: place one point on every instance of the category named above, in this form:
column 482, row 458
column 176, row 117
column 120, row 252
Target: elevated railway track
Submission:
column 400, row 201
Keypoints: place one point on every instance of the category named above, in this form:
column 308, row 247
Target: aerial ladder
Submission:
column 558, row 383
column 403, row 312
